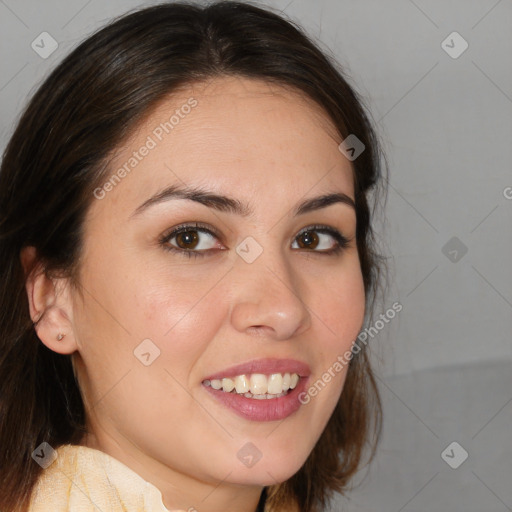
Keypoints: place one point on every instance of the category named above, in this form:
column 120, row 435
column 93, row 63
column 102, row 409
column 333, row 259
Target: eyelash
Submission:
column 341, row 241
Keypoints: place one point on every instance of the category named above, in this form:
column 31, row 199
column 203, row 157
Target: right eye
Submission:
column 190, row 240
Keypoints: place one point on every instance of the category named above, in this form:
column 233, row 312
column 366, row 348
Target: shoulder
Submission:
column 82, row 479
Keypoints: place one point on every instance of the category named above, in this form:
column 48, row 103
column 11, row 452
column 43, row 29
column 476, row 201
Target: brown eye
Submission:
column 320, row 239
column 308, row 240
column 190, row 240
column 187, row 239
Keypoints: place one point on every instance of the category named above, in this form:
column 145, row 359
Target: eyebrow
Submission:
column 232, row 205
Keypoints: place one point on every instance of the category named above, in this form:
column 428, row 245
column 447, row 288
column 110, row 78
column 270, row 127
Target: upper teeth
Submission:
column 256, row 383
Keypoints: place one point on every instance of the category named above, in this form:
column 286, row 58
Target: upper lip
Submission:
column 266, row 366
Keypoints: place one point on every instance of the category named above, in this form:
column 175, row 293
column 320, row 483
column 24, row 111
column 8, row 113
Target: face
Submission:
column 162, row 312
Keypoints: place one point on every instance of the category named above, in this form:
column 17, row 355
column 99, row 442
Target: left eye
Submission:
column 316, row 238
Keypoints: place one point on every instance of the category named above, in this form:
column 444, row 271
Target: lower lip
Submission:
column 268, row 409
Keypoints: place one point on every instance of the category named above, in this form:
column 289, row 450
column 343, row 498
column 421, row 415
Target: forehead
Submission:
column 236, row 135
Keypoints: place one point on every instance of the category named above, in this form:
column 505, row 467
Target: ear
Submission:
column 49, row 303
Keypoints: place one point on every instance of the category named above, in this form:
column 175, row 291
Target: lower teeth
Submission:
column 262, row 397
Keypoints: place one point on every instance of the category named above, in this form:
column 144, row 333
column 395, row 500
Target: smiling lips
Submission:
column 261, row 390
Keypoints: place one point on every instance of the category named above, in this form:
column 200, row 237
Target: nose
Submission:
column 267, row 299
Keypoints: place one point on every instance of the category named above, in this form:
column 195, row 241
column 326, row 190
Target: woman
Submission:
column 187, row 259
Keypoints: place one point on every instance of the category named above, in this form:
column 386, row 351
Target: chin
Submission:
column 270, row 472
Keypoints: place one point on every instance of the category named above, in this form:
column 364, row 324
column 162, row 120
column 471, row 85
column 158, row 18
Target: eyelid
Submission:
column 199, row 226
column 323, row 228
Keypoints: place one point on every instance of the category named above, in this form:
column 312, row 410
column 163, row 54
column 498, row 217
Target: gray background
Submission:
column 444, row 362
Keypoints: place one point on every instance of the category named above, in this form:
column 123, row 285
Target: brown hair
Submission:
column 57, row 156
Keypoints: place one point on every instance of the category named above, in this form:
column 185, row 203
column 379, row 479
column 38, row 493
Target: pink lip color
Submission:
column 266, row 366
column 262, row 410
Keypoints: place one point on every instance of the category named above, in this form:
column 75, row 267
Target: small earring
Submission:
column 60, row 336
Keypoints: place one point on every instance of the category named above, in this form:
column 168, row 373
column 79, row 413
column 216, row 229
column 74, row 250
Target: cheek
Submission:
column 167, row 307
column 181, row 316
column 340, row 310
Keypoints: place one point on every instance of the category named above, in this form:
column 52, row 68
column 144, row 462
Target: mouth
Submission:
column 261, row 390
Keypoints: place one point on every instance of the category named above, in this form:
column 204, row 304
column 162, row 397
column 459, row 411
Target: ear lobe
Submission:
column 50, row 305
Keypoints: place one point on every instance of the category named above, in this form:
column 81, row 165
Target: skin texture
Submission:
column 267, row 147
